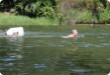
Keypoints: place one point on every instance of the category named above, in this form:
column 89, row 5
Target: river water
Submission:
column 42, row 51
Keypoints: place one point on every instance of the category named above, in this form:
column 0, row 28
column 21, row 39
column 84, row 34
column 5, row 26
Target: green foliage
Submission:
column 84, row 17
column 37, row 8
column 64, row 10
column 105, row 16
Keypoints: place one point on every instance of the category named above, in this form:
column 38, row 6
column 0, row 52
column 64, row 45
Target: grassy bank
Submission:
column 8, row 19
column 82, row 17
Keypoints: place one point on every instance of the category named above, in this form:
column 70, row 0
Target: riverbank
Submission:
column 11, row 19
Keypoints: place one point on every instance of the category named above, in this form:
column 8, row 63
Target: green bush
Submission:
column 37, row 8
column 105, row 16
column 84, row 17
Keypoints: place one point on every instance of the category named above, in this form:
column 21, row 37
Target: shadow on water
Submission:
column 42, row 51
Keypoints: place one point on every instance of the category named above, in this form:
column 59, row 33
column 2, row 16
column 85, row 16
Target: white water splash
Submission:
column 0, row 0
column 109, row 0
column 108, row 73
column 1, row 74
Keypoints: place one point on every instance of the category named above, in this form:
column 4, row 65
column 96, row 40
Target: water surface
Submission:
column 42, row 51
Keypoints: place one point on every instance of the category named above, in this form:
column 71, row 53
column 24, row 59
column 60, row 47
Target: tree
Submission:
column 68, row 10
column 37, row 8
column 6, row 5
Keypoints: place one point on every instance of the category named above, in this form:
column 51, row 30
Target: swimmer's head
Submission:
column 75, row 32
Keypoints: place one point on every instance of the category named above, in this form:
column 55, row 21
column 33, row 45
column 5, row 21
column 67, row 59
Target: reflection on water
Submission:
column 39, row 66
column 8, row 59
column 9, row 64
column 44, row 52
column 80, row 71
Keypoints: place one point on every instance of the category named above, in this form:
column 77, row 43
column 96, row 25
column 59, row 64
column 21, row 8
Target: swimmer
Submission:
column 73, row 34
column 15, row 32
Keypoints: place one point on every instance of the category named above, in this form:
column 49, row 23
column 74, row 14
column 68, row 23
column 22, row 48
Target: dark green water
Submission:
column 42, row 51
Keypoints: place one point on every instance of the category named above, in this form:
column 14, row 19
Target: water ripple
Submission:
column 9, row 64
column 93, row 45
column 1, row 69
column 71, row 64
column 80, row 71
column 40, row 66
column 8, row 59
